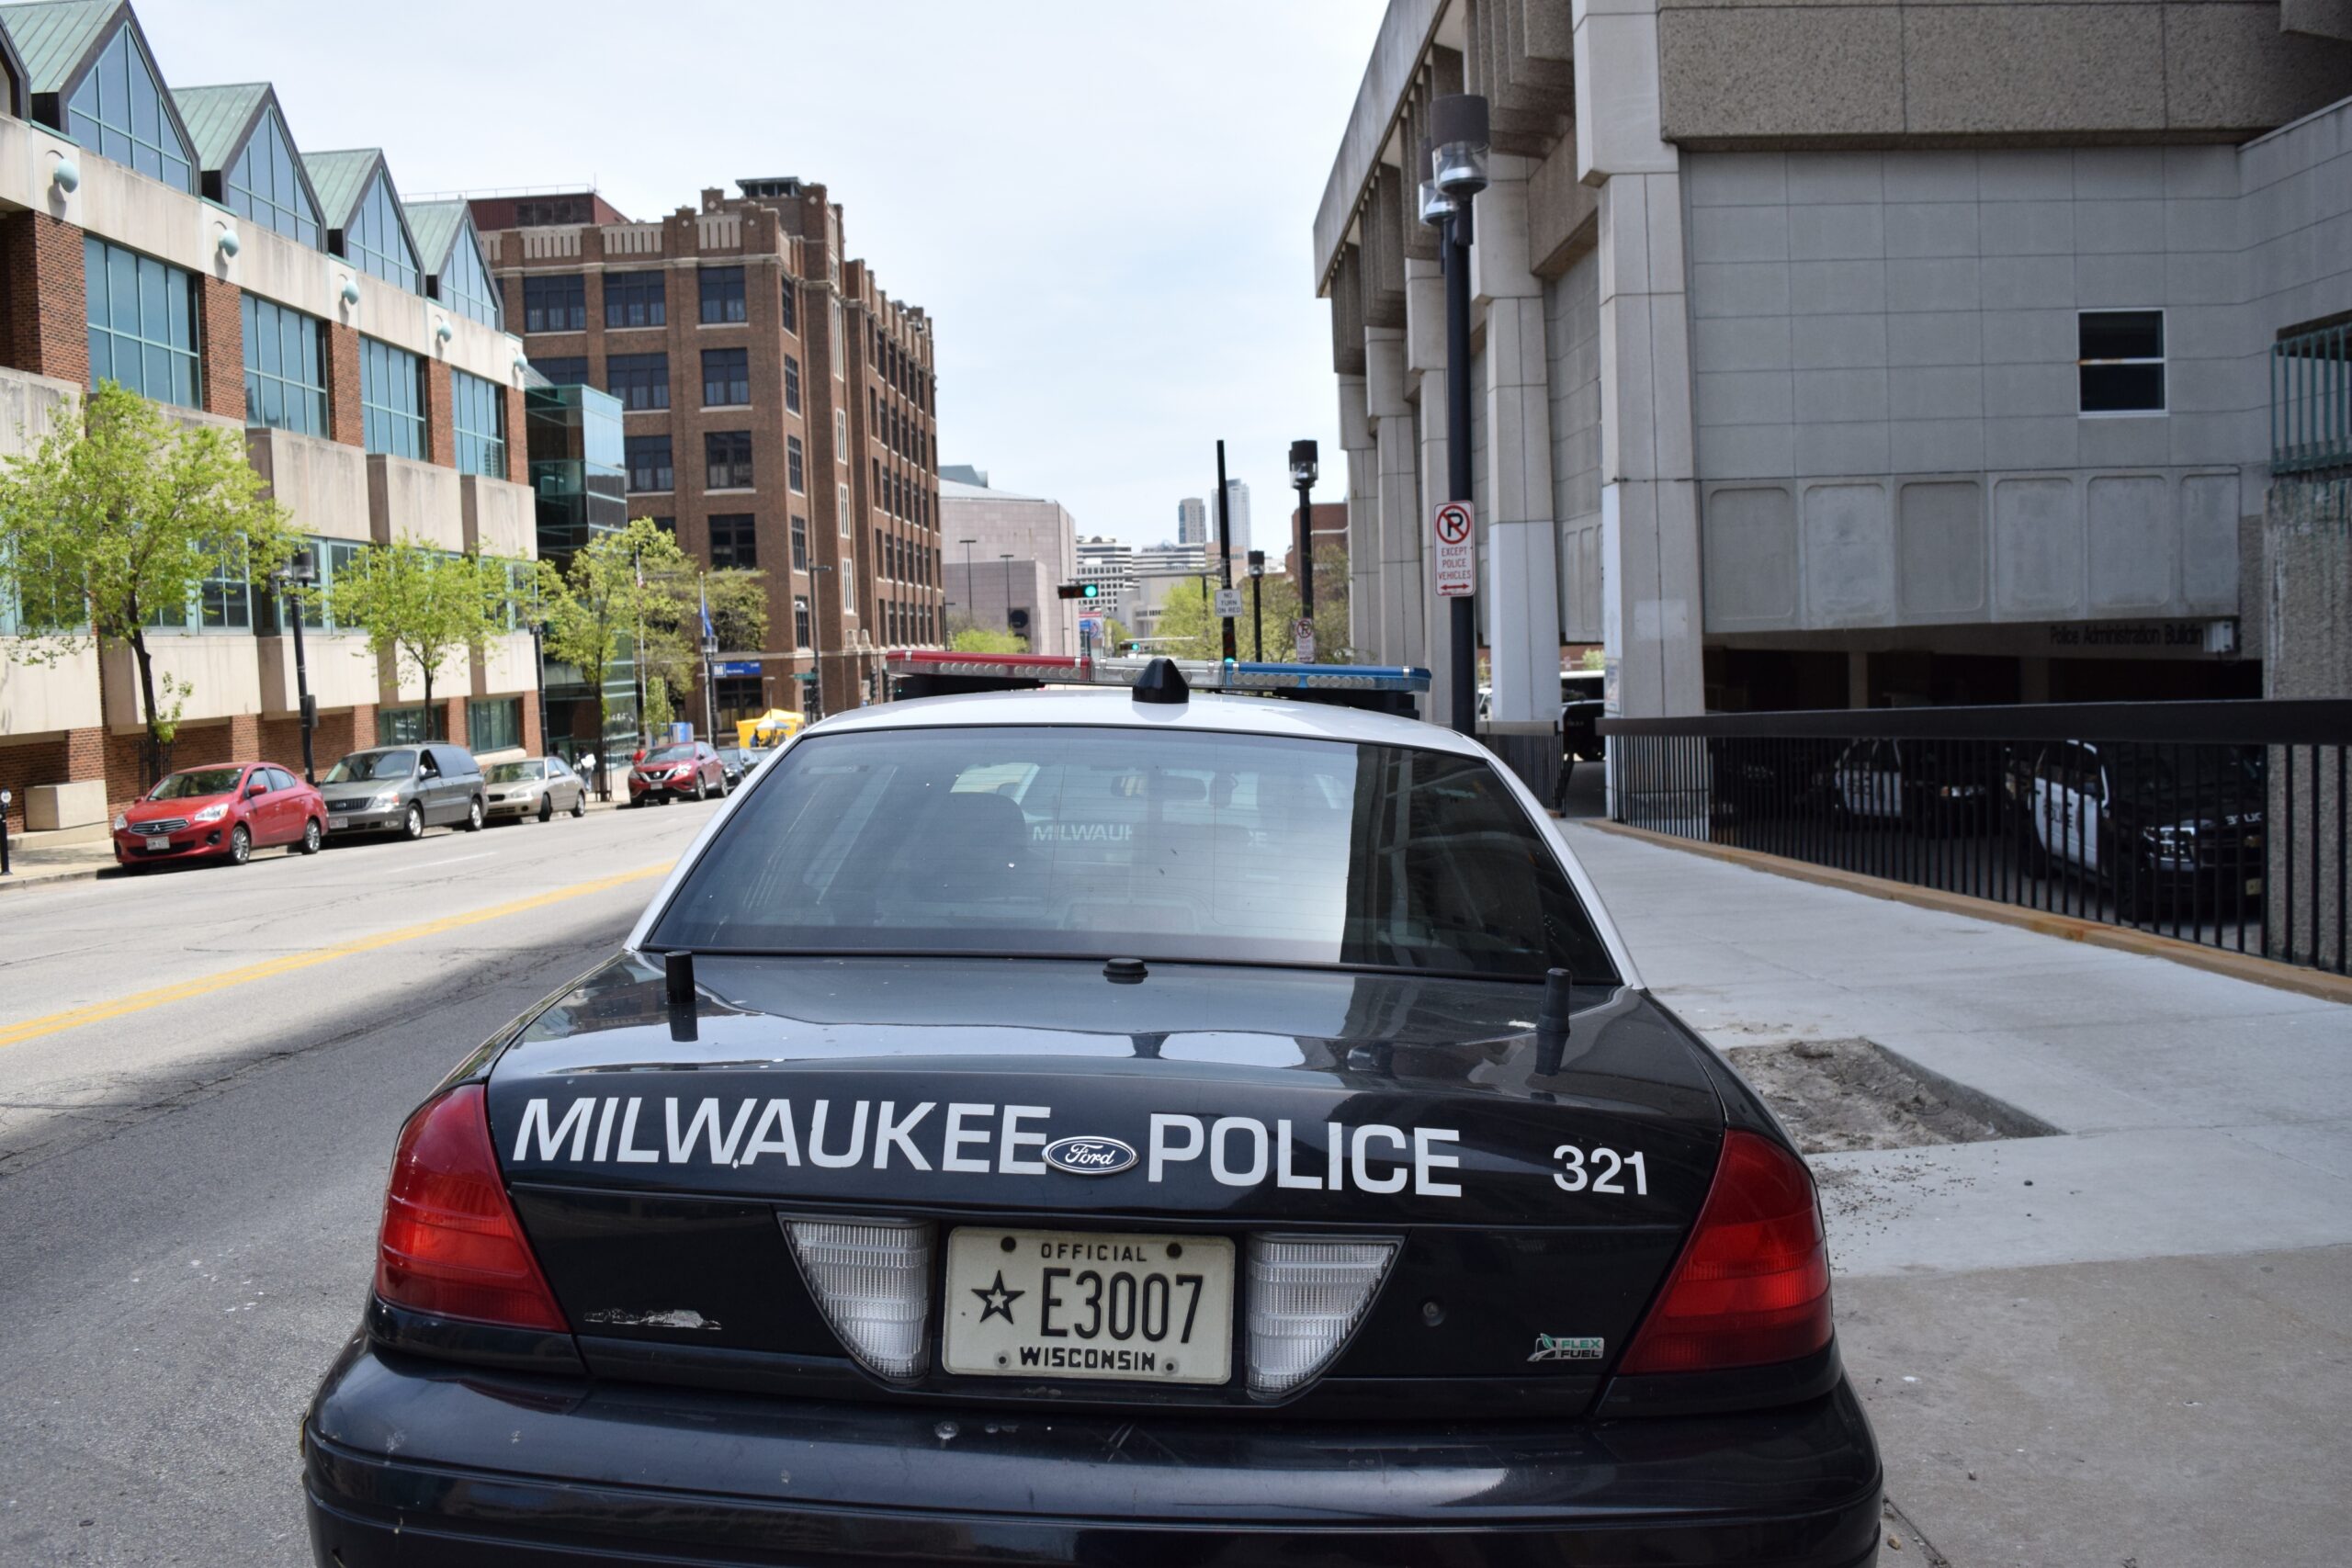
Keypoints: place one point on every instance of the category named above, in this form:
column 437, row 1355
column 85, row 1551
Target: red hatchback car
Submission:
column 226, row 812
column 686, row 771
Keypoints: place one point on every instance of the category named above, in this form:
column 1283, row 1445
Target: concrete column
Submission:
column 1401, row 619
column 1651, row 609
column 1361, row 449
column 1522, row 538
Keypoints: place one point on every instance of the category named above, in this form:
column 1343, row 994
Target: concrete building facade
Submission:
column 1007, row 554
column 1110, row 565
column 178, row 241
column 779, row 412
column 1887, row 353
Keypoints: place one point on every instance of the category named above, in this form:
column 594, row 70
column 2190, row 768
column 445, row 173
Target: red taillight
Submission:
column 450, row 1244
column 1752, row 1285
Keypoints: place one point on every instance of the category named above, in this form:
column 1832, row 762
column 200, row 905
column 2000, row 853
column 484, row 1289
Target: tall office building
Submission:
column 778, row 411
column 1191, row 521
column 1109, row 564
column 1238, row 505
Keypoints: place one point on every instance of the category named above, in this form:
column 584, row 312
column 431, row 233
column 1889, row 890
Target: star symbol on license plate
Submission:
column 996, row 1300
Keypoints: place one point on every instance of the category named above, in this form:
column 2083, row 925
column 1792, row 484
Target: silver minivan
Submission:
column 404, row 789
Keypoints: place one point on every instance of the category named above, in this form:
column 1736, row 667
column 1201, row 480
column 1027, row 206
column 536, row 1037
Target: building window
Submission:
column 794, row 474
column 119, row 112
column 2122, row 368
column 374, row 242
column 331, row 558
column 465, row 283
column 494, row 724
column 286, row 377
column 727, row 459
column 799, row 543
column 636, row 299
column 404, row 727
column 841, row 432
column 222, row 602
column 264, row 186
column 840, row 344
column 570, row 370
column 849, row 590
column 391, row 399
column 733, row 542
column 791, row 384
column 548, row 212
column 478, row 412
column 841, row 503
column 791, row 309
column 726, row 376
column 649, row 463
column 558, row 304
column 638, row 380
column 800, row 622
column 722, row 294
column 667, row 524
column 738, row 696
column 143, row 322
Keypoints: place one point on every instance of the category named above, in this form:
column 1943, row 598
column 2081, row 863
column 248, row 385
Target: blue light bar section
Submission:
column 1351, row 677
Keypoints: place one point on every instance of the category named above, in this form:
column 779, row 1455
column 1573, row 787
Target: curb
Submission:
column 2244, row 966
column 17, row 882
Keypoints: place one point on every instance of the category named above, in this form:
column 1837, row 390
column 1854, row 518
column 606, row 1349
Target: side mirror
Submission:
column 255, row 789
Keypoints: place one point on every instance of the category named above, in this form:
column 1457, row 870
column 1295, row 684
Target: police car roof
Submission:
column 1115, row 706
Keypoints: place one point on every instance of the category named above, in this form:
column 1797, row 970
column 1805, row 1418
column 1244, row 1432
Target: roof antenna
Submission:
column 1162, row 682
column 1551, row 1023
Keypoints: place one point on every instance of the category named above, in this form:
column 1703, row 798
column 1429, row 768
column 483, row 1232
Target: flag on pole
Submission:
column 703, row 590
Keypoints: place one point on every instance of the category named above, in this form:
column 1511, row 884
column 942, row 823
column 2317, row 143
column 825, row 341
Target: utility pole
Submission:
column 1224, row 545
column 303, row 571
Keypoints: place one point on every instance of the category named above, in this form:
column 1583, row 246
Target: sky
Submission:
column 1106, row 208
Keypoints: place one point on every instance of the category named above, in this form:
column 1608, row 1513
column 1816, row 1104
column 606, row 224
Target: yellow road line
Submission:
column 140, row 1001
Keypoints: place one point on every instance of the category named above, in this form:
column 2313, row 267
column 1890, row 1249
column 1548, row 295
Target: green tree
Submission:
column 112, row 525
column 1189, row 628
column 421, row 608
column 968, row 639
column 738, row 614
column 598, row 603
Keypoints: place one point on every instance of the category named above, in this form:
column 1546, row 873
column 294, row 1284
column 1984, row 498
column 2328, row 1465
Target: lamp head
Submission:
column 1303, row 466
column 1458, row 145
column 1435, row 208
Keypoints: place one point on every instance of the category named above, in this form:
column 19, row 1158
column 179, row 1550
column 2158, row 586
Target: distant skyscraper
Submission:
column 1191, row 521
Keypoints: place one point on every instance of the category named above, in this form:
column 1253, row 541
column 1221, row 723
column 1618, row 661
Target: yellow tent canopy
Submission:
column 773, row 727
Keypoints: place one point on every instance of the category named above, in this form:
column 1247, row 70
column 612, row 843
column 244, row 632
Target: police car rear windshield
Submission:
column 1076, row 842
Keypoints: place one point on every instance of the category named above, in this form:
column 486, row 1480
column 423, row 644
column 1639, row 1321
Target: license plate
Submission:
column 1084, row 1305
column 337, row 824
column 159, row 841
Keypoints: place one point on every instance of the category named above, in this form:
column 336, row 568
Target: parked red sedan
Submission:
column 226, row 812
column 687, row 770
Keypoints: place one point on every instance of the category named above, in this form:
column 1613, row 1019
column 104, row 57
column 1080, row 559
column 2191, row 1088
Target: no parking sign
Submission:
column 1457, row 557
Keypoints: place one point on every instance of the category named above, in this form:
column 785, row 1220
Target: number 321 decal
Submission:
column 1606, row 1173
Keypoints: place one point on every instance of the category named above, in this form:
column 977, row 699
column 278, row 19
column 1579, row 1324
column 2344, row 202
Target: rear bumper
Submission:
column 414, row 1462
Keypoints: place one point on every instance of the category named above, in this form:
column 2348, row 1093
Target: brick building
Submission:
column 779, row 410
column 180, row 236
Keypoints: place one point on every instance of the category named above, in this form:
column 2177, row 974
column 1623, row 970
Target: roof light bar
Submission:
column 1201, row 674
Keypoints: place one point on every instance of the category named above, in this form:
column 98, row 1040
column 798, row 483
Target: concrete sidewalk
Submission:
column 2130, row 1343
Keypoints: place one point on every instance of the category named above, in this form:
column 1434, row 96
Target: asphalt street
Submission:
column 201, row 1074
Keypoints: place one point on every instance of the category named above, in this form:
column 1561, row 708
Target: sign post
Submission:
column 1305, row 635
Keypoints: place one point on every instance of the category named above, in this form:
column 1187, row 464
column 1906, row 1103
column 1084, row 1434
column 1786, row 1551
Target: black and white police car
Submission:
column 1131, row 1124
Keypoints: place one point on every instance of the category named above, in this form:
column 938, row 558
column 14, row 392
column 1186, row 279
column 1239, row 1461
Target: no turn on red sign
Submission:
column 1457, row 555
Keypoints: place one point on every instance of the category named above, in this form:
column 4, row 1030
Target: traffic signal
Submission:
column 1079, row 589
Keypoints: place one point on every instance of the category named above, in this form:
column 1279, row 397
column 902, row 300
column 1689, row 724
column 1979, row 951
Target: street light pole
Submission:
column 1303, row 469
column 1224, row 545
column 303, row 571
column 1457, row 174
column 1258, row 605
column 971, row 601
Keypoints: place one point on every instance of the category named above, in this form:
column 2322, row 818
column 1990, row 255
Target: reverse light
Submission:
column 872, row 1281
column 1752, row 1285
column 211, row 814
column 1306, row 1299
column 450, row 1244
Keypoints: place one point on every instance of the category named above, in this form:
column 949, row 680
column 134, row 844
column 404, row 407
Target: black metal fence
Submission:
column 2223, row 823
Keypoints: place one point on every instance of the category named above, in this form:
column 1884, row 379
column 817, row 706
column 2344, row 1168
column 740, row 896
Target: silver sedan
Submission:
column 536, row 787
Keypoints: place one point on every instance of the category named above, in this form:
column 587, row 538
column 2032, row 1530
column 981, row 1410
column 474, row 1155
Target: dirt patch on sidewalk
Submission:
column 1840, row 1095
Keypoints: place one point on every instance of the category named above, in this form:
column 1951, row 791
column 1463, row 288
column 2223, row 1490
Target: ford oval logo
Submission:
column 1090, row 1156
